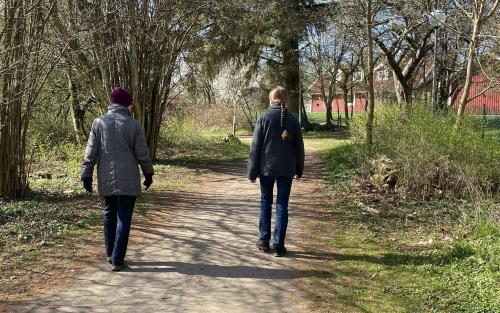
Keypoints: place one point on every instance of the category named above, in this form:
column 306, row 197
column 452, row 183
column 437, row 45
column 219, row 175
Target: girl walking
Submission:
column 276, row 157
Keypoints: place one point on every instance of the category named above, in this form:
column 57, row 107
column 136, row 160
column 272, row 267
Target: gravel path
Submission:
column 194, row 251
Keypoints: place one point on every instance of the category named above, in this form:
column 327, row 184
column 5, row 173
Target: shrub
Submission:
column 186, row 129
column 179, row 134
column 432, row 157
column 54, row 158
column 209, row 118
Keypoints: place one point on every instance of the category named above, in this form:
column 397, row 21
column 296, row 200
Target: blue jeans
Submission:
column 284, row 185
column 117, row 221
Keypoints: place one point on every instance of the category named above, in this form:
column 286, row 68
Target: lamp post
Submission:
column 301, row 101
column 300, row 95
column 436, row 19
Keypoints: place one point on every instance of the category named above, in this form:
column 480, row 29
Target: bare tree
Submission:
column 360, row 16
column 26, row 63
column 368, row 21
column 348, row 68
column 328, row 45
column 403, row 35
column 133, row 44
column 478, row 12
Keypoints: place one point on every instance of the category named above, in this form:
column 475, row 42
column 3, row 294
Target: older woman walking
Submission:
column 117, row 145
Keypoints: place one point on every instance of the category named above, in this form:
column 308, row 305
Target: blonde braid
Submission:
column 279, row 95
column 284, row 134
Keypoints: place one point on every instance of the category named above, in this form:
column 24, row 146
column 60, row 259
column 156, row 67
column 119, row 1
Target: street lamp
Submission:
column 435, row 19
column 300, row 83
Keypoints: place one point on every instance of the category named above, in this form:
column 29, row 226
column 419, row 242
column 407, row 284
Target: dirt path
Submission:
column 194, row 251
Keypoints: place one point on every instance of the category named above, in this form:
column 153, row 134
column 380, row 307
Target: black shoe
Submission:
column 263, row 245
column 279, row 252
column 116, row 268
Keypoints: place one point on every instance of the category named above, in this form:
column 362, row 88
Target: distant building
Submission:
column 314, row 103
column 384, row 88
column 487, row 103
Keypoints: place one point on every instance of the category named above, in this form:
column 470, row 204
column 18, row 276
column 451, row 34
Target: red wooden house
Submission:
column 384, row 87
column 482, row 98
column 481, row 101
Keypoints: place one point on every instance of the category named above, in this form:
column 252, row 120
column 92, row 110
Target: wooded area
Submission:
column 172, row 52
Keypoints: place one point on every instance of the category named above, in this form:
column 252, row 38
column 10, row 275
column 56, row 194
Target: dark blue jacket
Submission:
column 270, row 155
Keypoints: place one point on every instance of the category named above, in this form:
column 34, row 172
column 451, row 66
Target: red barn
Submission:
column 481, row 101
column 316, row 104
column 384, row 88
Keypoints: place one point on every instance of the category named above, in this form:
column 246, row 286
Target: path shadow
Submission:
column 387, row 259
column 235, row 167
column 212, row 270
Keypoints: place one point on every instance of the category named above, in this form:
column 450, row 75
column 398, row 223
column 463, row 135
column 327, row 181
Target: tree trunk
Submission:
column 404, row 92
column 346, row 107
column 77, row 112
column 398, row 88
column 328, row 100
column 291, row 72
column 371, row 92
column 329, row 116
column 305, row 121
column 408, row 94
column 469, row 73
column 13, row 84
column 339, row 118
column 234, row 122
column 444, row 91
column 353, row 96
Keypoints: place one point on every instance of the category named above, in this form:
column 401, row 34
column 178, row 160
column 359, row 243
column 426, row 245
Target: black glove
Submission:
column 148, row 180
column 87, row 183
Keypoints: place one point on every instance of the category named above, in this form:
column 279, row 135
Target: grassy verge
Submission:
column 35, row 233
column 490, row 125
column 392, row 254
column 320, row 117
column 57, row 228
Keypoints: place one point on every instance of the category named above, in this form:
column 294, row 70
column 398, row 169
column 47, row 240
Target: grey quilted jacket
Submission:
column 117, row 145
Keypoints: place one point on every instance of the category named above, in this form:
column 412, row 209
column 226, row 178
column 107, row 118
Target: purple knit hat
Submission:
column 121, row 96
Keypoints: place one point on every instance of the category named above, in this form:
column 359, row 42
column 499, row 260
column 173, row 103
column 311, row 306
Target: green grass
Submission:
column 466, row 276
column 41, row 218
column 30, row 230
column 414, row 256
column 209, row 149
column 320, row 117
column 316, row 117
column 489, row 125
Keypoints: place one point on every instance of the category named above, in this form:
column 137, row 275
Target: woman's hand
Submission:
column 252, row 181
